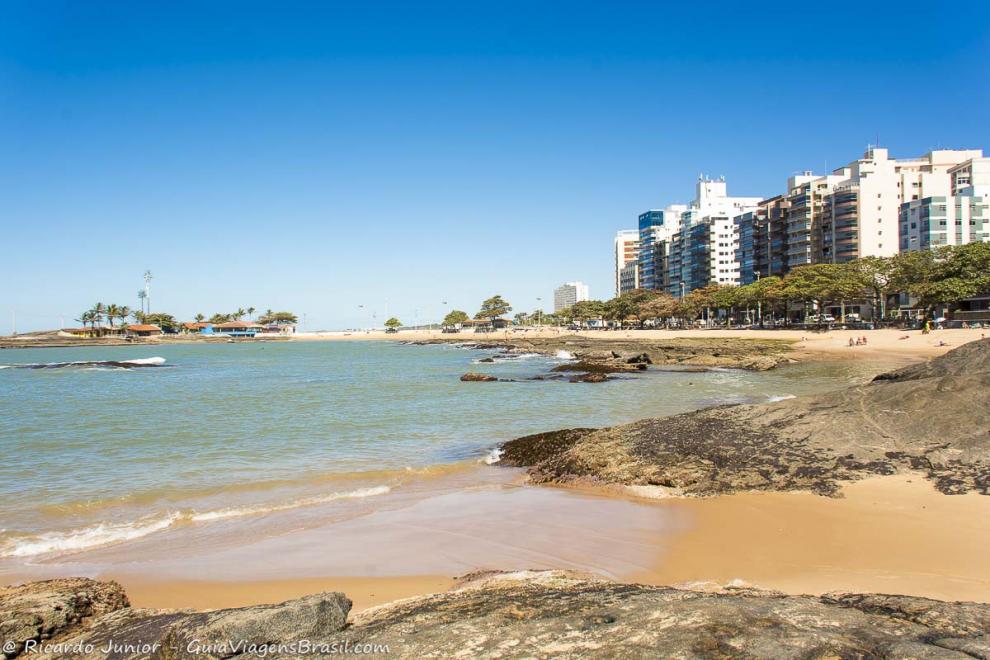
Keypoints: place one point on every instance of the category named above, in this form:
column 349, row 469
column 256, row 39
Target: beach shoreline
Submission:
column 805, row 345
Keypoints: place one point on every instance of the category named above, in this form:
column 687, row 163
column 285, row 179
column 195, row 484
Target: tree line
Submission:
column 941, row 276
column 101, row 317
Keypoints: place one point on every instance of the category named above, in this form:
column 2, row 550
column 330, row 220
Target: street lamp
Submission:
column 539, row 314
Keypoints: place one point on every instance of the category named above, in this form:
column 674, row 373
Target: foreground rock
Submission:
column 548, row 614
column 729, row 352
column 934, row 418
column 42, row 610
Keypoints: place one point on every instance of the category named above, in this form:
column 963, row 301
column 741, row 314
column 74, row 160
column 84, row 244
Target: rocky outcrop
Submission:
column 729, row 352
column 551, row 614
column 562, row 615
column 39, row 611
column 85, row 618
column 934, row 418
column 472, row 377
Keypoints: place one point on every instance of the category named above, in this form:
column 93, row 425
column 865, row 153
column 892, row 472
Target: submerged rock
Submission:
column 934, row 418
column 472, row 377
column 589, row 378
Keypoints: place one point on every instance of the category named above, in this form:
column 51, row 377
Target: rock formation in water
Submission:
column 730, row 352
column 933, row 417
column 504, row 615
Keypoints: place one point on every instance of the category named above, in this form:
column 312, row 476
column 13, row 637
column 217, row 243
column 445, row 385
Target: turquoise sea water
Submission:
column 92, row 455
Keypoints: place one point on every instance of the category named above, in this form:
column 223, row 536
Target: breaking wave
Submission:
column 105, row 534
column 91, row 364
column 494, row 456
column 774, row 398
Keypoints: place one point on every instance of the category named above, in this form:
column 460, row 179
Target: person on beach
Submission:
column 851, row 343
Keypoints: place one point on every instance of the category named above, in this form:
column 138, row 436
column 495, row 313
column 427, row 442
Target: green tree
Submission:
column 876, row 273
column 493, row 308
column 164, row 321
column 585, row 310
column 661, row 306
column 281, row 318
column 250, row 312
column 199, row 318
column 959, row 272
column 455, row 318
column 393, row 323
column 122, row 313
column 219, row 318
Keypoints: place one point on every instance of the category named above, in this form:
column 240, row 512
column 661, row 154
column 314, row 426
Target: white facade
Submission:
column 716, row 209
column 862, row 212
column 566, row 295
column 956, row 219
column 626, row 248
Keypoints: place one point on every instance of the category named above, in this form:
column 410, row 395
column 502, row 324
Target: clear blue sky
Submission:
column 315, row 156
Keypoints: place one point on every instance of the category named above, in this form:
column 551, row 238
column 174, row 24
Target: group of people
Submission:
column 859, row 341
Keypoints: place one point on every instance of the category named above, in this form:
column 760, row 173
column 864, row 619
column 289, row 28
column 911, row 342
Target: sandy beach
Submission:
column 883, row 344
column 892, row 534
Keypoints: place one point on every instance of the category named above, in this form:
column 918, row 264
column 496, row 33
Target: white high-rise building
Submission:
column 954, row 219
column 704, row 250
column 861, row 214
column 571, row 292
column 626, row 246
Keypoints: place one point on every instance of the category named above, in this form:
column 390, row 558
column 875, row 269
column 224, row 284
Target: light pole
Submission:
column 147, row 288
column 539, row 314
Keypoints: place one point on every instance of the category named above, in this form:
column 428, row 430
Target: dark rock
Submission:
column 935, row 420
column 532, row 449
column 598, row 367
column 589, row 378
column 538, row 614
column 556, row 614
column 472, row 377
column 487, row 359
column 41, row 610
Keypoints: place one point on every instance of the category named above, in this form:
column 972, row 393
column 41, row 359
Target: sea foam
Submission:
column 105, row 534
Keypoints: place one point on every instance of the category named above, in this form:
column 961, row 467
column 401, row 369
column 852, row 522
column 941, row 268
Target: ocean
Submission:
column 103, row 447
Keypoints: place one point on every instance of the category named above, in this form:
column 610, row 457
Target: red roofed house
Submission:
column 143, row 330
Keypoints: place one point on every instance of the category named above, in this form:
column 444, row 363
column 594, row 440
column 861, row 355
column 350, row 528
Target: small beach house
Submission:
column 238, row 329
column 143, row 330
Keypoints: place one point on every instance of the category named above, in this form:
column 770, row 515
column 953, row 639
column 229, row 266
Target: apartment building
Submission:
column 656, row 227
column 955, row 219
column 569, row 293
column 704, row 250
column 626, row 248
column 861, row 214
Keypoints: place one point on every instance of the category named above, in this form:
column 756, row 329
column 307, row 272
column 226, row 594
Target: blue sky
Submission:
column 320, row 156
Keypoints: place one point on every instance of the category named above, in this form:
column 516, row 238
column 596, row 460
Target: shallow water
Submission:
column 96, row 453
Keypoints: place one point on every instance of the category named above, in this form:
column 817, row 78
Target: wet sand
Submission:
column 887, row 534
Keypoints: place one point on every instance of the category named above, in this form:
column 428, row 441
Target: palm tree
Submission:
column 238, row 314
column 142, row 294
column 85, row 318
column 199, row 318
column 112, row 312
column 122, row 314
column 250, row 311
column 98, row 311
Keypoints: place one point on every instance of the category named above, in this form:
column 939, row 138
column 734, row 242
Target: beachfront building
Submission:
column 626, row 248
column 196, row 328
column 656, row 228
column 955, row 219
column 238, row 329
column 861, row 214
column 629, row 277
column 143, row 330
column 569, row 293
column 703, row 250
